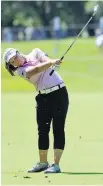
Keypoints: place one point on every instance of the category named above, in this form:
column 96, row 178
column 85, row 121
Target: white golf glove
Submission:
column 55, row 67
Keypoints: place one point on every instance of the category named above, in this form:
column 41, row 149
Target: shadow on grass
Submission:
column 80, row 173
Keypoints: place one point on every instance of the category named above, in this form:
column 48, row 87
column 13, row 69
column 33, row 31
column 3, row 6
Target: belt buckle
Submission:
column 45, row 91
column 50, row 89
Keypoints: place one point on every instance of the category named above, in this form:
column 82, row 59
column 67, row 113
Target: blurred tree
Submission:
column 42, row 12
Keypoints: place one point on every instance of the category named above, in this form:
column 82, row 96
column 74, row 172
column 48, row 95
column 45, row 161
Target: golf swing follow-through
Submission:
column 94, row 12
column 52, row 100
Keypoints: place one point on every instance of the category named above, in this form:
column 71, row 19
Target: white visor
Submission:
column 9, row 53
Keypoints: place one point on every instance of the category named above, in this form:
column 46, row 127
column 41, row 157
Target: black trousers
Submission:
column 52, row 107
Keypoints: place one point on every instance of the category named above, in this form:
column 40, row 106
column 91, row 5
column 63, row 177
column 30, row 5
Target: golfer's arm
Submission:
column 39, row 68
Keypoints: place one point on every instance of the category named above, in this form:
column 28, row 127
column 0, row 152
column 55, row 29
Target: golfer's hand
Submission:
column 56, row 61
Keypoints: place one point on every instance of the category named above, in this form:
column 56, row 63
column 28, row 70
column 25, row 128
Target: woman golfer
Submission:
column 52, row 101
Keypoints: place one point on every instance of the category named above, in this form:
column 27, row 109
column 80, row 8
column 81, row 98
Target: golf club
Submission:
column 94, row 12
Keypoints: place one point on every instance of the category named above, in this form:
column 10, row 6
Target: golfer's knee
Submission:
column 43, row 131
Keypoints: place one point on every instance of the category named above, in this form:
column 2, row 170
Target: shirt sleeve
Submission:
column 39, row 54
column 22, row 71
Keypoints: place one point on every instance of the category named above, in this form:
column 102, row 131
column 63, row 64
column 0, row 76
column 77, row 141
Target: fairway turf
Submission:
column 82, row 161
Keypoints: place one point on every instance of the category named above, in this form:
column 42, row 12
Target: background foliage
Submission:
column 36, row 13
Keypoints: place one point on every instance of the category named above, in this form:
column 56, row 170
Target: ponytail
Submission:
column 10, row 68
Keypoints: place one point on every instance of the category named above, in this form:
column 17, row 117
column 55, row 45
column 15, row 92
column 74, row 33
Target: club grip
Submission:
column 53, row 69
column 51, row 72
column 62, row 58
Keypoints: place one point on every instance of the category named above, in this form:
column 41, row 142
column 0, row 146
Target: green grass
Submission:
column 82, row 161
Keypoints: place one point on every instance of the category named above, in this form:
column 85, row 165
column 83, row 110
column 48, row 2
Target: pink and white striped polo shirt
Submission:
column 41, row 80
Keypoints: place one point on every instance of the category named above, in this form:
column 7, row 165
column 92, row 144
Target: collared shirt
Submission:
column 41, row 80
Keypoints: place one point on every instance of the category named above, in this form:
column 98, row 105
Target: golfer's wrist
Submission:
column 52, row 61
column 55, row 61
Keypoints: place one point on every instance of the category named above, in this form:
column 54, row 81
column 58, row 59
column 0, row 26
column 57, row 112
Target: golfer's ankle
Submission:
column 56, row 163
column 43, row 161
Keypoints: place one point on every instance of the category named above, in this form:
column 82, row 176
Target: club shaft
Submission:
column 78, row 36
column 75, row 40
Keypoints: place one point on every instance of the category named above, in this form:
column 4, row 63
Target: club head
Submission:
column 96, row 9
